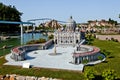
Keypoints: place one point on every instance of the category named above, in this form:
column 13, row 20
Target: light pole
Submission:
column 21, row 34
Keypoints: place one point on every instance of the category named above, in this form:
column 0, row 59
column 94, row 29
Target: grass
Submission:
column 112, row 62
column 14, row 42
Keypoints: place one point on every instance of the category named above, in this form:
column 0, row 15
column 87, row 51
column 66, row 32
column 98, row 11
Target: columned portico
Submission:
column 90, row 55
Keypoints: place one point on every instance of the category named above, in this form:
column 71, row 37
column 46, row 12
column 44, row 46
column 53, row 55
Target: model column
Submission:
column 74, row 59
column 78, row 60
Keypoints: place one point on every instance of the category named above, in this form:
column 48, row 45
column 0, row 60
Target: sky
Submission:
column 80, row 10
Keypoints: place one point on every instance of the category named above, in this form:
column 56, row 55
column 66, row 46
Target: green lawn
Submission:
column 13, row 42
column 112, row 62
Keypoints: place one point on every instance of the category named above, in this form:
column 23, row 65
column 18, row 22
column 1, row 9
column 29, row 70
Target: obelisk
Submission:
column 55, row 49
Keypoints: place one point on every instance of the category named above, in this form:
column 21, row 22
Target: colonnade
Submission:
column 80, row 59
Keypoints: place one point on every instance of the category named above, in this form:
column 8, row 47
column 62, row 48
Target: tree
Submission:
column 89, row 74
column 89, row 39
column 112, row 21
column 109, row 74
column 9, row 13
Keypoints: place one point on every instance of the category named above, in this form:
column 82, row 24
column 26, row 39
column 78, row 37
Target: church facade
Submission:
column 70, row 35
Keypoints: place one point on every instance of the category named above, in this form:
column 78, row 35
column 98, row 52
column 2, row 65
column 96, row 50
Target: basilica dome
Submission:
column 71, row 24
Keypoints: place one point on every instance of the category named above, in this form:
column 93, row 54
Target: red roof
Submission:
column 95, row 51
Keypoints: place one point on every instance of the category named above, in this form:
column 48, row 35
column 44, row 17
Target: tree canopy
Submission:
column 112, row 21
column 9, row 13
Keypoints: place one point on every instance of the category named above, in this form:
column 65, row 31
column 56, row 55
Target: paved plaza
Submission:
column 42, row 58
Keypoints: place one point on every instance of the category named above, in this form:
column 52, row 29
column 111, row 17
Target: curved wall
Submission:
column 90, row 55
column 19, row 53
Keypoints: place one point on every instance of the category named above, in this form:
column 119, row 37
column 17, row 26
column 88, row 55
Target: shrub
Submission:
column 112, row 39
column 109, row 75
column 116, row 40
column 85, row 61
column 106, row 53
column 89, row 74
column 50, row 37
column 41, row 40
column 100, row 57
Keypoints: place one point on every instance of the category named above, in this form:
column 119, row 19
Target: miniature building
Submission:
column 71, row 35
